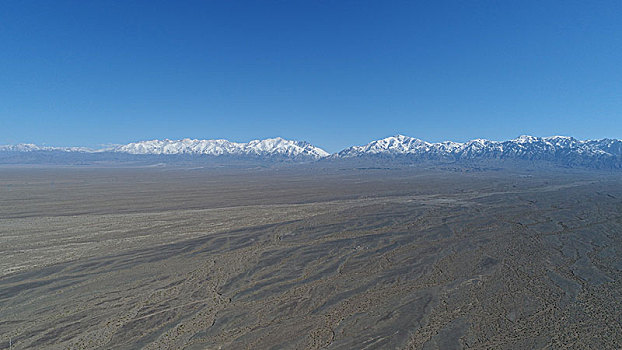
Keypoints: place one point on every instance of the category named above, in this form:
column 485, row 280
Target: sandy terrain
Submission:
column 338, row 259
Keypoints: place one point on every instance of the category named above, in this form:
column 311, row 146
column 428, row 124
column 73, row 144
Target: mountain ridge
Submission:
column 560, row 150
column 217, row 147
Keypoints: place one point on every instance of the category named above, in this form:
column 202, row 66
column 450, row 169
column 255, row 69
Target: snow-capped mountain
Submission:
column 558, row 150
column 268, row 147
column 29, row 147
column 562, row 150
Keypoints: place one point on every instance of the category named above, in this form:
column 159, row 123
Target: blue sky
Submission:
column 334, row 73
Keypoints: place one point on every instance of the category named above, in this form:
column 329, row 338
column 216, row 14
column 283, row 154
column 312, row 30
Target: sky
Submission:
column 333, row 73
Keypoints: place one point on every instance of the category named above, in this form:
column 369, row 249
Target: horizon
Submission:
column 338, row 74
column 112, row 145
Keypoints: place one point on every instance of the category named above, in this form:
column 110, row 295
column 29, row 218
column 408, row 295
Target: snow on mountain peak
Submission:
column 271, row 147
column 562, row 149
column 397, row 144
column 31, row 147
column 267, row 147
column 525, row 139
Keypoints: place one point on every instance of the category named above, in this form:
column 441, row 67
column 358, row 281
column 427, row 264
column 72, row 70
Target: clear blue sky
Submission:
column 334, row 73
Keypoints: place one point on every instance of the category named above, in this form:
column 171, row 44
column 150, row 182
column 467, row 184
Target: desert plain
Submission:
column 309, row 258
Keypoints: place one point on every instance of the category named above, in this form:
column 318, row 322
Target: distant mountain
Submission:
column 29, row 147
column 187, row 149
column 560, row 150
column 555, row 150
column 278, row 147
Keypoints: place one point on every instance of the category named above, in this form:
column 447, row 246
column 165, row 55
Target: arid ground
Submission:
column 303, row 258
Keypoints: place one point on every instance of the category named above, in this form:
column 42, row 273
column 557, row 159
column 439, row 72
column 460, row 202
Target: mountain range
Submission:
column 555, row 150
